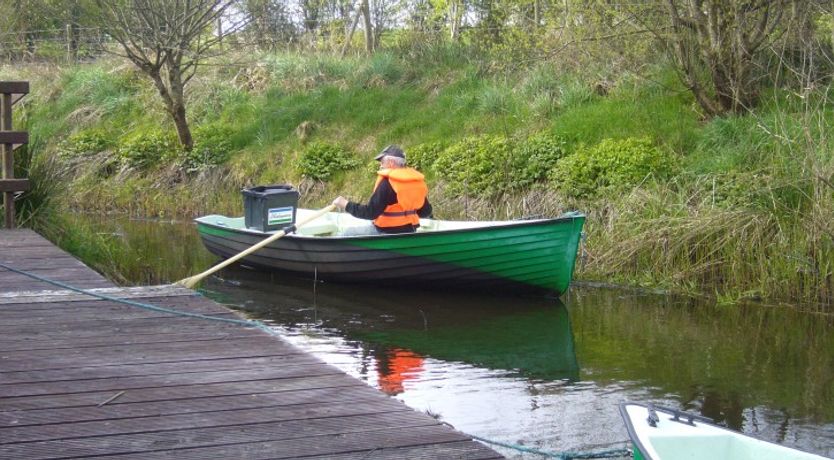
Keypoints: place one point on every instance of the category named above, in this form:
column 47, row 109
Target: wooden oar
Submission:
column 192, row 281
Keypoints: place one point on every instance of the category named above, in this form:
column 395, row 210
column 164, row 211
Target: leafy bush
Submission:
column 147, row 149
column 533, row 159
column 85, row 143
column 611, row 164
column 212, row 147
column 476, row 165
column 423, row 156
column 320, row 160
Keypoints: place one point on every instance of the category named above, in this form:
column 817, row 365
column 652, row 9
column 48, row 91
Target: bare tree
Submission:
column 715, row 44
column 384, row 14
column 271, row 23
column 166, row 40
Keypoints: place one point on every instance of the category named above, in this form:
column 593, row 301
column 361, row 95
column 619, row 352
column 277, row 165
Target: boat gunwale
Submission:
column 502, row 225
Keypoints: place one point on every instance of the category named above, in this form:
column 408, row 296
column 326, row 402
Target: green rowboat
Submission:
column 518, row 255
column 660, row 433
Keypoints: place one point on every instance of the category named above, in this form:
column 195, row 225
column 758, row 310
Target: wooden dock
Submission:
column 85, row 377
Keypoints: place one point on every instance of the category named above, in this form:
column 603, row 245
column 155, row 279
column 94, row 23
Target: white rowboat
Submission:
column 660, row 433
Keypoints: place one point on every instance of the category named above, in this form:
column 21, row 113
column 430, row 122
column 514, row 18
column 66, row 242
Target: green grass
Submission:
column 664, row 114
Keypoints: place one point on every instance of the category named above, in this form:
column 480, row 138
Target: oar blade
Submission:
column 189, row 282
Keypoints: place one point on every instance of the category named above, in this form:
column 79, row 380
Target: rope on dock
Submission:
column 242, row 322
column 608, row 453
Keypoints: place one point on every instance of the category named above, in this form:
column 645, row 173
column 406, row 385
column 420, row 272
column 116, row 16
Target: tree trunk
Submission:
column 455, row 17
column 219, row 31
column 536, row 13
column 175, row 106
column 183, row 131
column 369, row 30
column 349, row 37
column 177, row 89
column 75, row 14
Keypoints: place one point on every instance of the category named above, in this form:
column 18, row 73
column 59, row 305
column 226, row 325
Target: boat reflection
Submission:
column 531, row 337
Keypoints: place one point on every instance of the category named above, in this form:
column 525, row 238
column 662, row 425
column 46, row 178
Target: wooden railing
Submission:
column 11, row 92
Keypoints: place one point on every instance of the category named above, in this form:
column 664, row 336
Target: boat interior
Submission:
column 673, row 438
column 343, row 224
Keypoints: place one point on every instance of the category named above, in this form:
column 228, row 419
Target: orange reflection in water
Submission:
column 395, row 367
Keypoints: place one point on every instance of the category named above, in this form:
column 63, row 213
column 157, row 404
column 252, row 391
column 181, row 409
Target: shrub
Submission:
column 534, row 158
column 147, row 149
column 423, row 156
column 321, row 160
column 476, row 165
column 212, row 147
column 611, row 164
column 85, row 143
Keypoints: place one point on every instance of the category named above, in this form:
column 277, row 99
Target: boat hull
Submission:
column 531, row 256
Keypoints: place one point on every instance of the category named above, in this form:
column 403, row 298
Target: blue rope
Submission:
column 243, row 322
column 610, row 453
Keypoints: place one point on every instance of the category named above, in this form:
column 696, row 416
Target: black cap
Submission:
column 392, row 150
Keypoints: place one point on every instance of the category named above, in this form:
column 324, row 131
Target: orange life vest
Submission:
column 411, row 192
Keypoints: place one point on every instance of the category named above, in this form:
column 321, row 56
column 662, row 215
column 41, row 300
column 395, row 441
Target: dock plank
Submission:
column 88, row 377
column 136, row 370
column 194, row 392
column 154, row 439
column 351, row 394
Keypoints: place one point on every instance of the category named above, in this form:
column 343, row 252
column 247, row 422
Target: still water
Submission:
column 542, row 373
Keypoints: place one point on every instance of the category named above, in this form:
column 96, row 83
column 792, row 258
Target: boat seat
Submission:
column 322, row 229
column 717, row 447
column 427, row 225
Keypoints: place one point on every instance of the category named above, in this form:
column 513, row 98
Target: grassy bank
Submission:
column 737, row 208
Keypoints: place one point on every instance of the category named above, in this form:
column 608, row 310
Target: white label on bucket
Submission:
column 279, row 215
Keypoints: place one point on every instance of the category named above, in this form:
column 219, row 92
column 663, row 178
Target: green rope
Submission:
column 243, row 322
column 609, row 453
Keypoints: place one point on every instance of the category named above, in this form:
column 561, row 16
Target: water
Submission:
column 535, row 372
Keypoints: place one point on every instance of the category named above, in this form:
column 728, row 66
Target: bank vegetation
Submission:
column 694, row 134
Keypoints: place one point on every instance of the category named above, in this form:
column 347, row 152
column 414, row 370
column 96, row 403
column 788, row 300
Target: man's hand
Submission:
column 340, row 202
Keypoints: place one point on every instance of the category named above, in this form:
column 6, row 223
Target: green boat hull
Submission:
column 518, row 255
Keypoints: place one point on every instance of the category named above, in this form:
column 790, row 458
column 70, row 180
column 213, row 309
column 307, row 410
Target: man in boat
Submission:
column 399, row 200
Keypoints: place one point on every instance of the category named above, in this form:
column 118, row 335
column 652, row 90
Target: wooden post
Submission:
column 10, row 92
column 8, row 159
